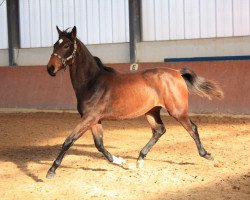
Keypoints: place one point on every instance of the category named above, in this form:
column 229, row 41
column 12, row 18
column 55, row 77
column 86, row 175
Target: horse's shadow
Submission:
column 22, row 156
column 41, row 155
column 166, row 161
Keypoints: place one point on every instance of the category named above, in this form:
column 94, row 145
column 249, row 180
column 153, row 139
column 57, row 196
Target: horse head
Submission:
column 63, row 52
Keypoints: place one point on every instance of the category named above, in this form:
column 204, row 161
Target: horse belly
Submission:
column 131, row 103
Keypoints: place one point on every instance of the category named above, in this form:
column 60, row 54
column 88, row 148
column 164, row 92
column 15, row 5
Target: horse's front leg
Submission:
column 97, row 133
column 76, row 134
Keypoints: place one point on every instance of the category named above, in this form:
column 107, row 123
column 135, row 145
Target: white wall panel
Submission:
column 189, row 19
column 119, row 25
column 46, row 22
column 24, row 23
column 106, row 28
column 97, row 21
column 56, row 19
column 192, row 19
column 176, row 18
column 161, row 10
column 68, row 13
column 3, row 25
column 148, row 16
column 93, row 22
column 241, row 16
column 34, row 22
column 224, row 19
column 81, row 19
column 126, row 22
column 207, row 19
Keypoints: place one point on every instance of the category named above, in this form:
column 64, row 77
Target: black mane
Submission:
column 102, row 66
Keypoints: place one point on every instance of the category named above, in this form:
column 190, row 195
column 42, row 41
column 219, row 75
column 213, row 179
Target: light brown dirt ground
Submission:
column 173, row 168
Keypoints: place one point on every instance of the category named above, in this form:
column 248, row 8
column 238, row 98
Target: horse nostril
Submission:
column 51, row 70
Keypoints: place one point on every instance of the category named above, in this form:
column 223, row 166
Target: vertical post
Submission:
column 13, row 28
column 134, row 28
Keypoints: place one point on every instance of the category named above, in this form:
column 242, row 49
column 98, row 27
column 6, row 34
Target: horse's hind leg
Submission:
column 193, row 131
column 97, row 133
column 158, row 129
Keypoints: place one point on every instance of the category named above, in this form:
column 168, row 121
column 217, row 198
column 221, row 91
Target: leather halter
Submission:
column 64, row 60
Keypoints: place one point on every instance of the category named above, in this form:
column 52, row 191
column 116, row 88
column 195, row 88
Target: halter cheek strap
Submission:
column 64, row 60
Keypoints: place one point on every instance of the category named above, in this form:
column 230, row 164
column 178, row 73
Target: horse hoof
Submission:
column 140, row 163
column 208, row 156
column 131, row 166
column 118, row 161
column 50, row 175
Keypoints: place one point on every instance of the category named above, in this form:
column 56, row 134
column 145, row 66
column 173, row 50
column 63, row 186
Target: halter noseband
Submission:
column 64, row 60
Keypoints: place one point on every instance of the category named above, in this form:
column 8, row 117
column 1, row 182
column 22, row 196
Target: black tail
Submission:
column 201, row 86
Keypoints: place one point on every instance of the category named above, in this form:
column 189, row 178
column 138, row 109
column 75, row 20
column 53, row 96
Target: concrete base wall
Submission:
column 4, row 57
column 110, row 53
column 31, row 87
column 146, row 51
column 157, row 51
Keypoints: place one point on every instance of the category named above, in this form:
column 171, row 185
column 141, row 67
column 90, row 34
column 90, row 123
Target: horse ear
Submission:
column 73, row 32
column 58, row 30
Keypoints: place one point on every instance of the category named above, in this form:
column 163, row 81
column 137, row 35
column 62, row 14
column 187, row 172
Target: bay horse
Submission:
column 104, row 94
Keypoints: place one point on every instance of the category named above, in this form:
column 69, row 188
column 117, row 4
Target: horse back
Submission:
column 134, row 94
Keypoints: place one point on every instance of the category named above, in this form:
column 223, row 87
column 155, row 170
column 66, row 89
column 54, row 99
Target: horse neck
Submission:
column 84, row 68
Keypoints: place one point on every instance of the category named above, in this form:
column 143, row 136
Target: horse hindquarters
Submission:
column 177, row 106
column 175, row 94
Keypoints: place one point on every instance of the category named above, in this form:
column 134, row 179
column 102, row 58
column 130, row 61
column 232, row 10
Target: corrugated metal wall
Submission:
column 98, row 21
column 106, row 21
column 3, row 26
column 189, row 19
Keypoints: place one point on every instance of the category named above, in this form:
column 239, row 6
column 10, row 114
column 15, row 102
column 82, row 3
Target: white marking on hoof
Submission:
column 118, row 161
column 131, row 166
column 140, row 163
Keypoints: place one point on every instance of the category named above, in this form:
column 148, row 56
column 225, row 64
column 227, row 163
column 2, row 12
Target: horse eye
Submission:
column 66, row 46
